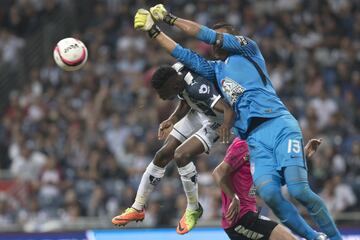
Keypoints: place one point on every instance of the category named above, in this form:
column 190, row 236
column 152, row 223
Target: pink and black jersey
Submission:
column 237, row 156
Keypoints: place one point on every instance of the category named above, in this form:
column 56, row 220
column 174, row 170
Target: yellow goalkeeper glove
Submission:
column 144, row 22
column 160, row 13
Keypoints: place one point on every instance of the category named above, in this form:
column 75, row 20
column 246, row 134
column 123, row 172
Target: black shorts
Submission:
column 251, row 226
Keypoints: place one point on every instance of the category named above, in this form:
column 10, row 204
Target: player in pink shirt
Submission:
column 240, row 218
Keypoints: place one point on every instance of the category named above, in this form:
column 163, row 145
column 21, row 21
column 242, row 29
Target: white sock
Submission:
column 189, row 180
column 149, row 180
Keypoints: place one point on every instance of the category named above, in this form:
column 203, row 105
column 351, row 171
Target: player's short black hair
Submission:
column 161, row 75
column 230, row 28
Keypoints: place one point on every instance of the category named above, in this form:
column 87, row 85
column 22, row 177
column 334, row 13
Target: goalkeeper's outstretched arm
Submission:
column 143, row 21
column 229, row 42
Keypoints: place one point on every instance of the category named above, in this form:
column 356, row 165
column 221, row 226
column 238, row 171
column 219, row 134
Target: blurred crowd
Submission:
column 78, row 143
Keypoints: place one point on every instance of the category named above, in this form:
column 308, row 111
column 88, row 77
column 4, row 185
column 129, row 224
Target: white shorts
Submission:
column 198, row 125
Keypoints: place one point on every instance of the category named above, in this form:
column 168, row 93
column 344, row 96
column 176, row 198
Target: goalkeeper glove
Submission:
column 144, row 22
column 160, row 13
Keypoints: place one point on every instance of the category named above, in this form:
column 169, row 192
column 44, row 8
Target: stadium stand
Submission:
column 73, row 146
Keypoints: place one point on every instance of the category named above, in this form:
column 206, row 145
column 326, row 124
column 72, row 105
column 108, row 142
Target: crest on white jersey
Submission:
column 232, row 89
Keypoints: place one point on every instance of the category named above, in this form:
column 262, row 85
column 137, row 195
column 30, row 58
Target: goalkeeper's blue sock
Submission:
column 270, row 192
column 314, row 204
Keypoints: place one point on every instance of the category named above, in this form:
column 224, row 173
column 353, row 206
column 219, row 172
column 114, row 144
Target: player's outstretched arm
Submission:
column 180, row 111
column 229, row 42
column 143, row 21
column 229, row 118
column 221, row 175
column 167, row 125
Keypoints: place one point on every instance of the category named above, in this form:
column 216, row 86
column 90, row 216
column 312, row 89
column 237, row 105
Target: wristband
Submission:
column 170, row 19
column 219, row 40
column 154, row 31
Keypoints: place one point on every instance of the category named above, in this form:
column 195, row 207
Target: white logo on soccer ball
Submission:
column 70, row 54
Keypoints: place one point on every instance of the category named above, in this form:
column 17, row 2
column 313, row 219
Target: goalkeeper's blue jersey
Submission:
column 237, row 78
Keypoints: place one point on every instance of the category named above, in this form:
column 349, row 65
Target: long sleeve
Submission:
column 195, row 62
column 231, row 43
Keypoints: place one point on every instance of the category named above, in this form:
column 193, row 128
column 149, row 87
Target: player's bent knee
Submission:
column 181, row 157
column 281, row 233
column 163, row 156
column 300, row 191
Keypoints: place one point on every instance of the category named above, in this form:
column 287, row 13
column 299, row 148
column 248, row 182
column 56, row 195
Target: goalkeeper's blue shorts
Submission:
column 275, row 144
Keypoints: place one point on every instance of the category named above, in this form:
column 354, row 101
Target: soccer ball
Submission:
column 70, row 54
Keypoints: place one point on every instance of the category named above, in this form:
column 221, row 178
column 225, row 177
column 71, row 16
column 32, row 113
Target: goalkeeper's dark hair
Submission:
column 161, row 75
column 230, row 28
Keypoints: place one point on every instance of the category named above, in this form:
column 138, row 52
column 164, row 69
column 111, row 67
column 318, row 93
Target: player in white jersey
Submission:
column 201, row 117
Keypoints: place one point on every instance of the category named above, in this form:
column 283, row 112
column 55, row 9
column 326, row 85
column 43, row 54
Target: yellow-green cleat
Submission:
column 189, row 220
